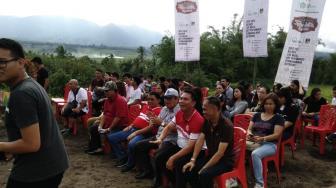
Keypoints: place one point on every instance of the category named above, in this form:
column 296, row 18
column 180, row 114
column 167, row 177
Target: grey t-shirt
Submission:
column 29, row 104
column 167, row 116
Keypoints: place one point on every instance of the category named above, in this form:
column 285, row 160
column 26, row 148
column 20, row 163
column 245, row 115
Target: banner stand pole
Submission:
column 199, row 73
column 187, row 71
column 254, row 71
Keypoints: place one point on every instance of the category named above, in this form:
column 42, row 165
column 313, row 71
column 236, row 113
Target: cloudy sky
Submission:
column 158, row 15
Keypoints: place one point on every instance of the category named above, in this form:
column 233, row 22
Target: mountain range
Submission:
column 56, row 29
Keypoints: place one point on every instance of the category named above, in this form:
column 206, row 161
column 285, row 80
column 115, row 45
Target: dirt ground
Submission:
column 309, row 169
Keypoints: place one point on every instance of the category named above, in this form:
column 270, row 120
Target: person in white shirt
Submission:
column 135, row 97
column 76, row 105
column 128, row 84
column 333, row 102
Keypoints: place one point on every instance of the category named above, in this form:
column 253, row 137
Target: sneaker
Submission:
column 65, row 130
column 327, row 138
column 231, row 183
column 258, row 186
column 98, row 151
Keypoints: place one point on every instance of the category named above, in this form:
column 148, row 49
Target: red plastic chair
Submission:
column 326, row 125
column 291, row 141
column 306, row 121
column 134, row 111
column 60, row 102
column 205, row 92
column 242, row 120
column 276, row 160
column 238, row 171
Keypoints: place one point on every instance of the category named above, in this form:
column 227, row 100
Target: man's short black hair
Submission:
column 214, row 101
column 128, row 75
column 226, row 78
column 334, row 88
column 137, row 80
column 100, row 70
column 115, row 74
column 150, row 76
column 37, row 60
column 162, row 79
column 14, row 47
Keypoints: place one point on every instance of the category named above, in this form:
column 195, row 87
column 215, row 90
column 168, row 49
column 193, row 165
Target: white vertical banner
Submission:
column 302, row 38
column 255, row 28
column 187, row 34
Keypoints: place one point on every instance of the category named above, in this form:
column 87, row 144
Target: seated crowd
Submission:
column 181, row 135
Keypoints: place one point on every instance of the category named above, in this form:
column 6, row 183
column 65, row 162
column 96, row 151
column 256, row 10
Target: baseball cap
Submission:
column 110, row 85
column 171, row 92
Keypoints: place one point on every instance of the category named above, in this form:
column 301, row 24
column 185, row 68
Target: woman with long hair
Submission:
column 312, row 105
column 238, row 102
column 263, row 133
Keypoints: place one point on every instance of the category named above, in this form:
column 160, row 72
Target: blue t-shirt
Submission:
column 265, row 128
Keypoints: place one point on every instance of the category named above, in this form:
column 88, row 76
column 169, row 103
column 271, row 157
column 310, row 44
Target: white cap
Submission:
column 171, row 92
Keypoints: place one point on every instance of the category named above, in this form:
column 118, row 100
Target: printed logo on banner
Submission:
column 186, row 7
column 304, row 24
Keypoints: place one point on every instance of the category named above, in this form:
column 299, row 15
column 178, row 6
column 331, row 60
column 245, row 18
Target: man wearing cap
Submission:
column 42, row 73
column 115, row 117
column 142, row 148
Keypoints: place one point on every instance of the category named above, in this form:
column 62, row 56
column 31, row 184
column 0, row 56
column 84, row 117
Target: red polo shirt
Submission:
column 116, row 107
column 188, row 129
column 142, row 120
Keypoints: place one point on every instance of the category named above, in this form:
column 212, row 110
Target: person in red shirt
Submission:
column 134, row 133
column 114, row 118
column 188, row 123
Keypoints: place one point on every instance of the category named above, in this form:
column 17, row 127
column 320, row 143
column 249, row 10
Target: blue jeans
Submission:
column 115, row 140
column 131, row 149
column 266, row 149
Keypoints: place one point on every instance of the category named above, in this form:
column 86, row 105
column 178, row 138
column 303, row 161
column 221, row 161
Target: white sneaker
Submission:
column 231, row 183
column 258, row 186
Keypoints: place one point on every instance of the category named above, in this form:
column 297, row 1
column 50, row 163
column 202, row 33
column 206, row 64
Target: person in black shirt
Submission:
column 289, row 112
column 98, row 93
column 217, row 133
column 298, row 91
column 313, row 104
column 42, row 73
column 39, row 154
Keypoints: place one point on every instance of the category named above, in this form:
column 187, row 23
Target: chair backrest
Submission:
column 239, row 146
column 133, row 112
column 242, row 120
column 205, row 92
column 332, row 118
column 326, row 116
column 297, row 126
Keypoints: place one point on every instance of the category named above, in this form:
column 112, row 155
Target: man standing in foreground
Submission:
column 34, row 138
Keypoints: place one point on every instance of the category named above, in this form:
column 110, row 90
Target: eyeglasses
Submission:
column 3, row 63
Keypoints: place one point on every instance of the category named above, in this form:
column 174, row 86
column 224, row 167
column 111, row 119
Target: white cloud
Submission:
column 158, row 15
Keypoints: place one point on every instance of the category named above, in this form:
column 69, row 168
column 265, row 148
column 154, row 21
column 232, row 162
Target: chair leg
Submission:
column 302, row 139
column 265, row 171
column 292, row 145
column 276, row 163
column 242, row 179
column 282, row 154
column 322, row 144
